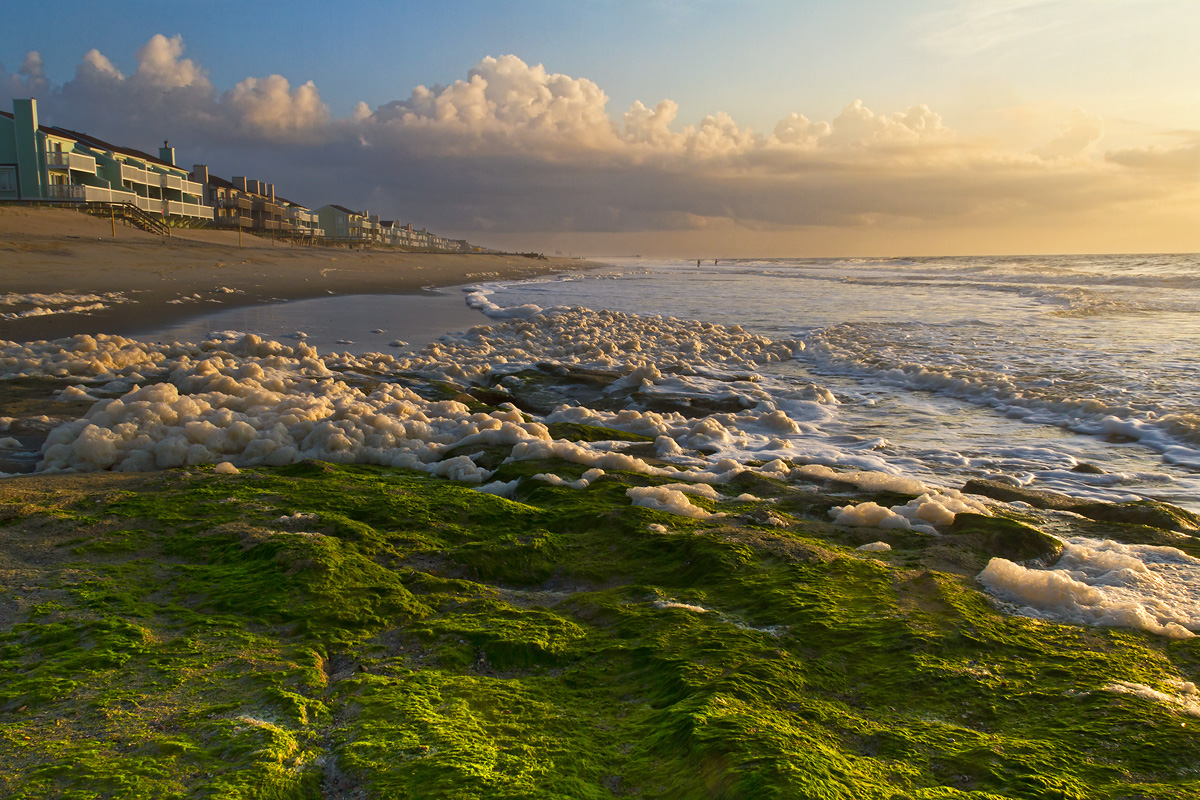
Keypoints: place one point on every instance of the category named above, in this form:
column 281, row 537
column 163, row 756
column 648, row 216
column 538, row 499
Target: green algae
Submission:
column 406, row 636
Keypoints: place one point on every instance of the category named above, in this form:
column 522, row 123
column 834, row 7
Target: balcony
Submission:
column 71, row 161
column 177, row 209
column 241, row 203
column 135, row 175
column 233, row 221
column 268, row 208
column 64, row 191
column 168, row 181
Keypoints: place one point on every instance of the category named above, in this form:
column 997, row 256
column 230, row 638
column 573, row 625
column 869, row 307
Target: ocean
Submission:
column 944, row 369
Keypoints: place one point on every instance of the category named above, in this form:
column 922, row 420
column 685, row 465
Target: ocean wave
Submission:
column 1033, row 389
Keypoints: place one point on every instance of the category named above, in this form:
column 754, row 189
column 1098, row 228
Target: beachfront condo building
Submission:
column 251, row 205
column 301, row 221
column 343, row 225
column 57, row 165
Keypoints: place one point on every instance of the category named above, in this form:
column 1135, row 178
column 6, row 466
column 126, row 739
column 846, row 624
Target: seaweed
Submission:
column 349, row 630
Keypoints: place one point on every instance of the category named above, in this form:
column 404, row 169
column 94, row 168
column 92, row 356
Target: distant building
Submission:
column 300, row 220
column 244, row 203
column 343, row 225
column 39, row 162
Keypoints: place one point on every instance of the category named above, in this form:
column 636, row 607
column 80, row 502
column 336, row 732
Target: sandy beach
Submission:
column 46, row 251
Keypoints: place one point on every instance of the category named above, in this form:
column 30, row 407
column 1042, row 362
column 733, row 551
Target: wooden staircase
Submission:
column 128, row 212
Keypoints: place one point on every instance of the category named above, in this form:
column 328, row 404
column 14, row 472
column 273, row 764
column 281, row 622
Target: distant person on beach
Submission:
column 697, row 263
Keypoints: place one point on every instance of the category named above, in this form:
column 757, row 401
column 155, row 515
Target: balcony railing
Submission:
column 135, row 175
column 76, row 161
column 177, row 209
column 65, row 191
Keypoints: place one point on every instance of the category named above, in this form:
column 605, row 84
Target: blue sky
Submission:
column 1015, row 77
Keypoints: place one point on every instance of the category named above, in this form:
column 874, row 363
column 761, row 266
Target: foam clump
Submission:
column 875, row 547
column 46, row 304
column 671, row 499
column 1185, row 698
column 921, row 514
column 581, row 483
column 867, row 480
column 500, row 488
column 226, row 468
column 1106, row 583
column 682, row 606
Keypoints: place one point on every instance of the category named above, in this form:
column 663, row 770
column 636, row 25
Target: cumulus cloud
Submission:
column 515, row 147
column 28, row 81
column 271, row 106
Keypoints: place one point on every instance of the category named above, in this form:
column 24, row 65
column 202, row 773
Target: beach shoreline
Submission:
column 46, row 251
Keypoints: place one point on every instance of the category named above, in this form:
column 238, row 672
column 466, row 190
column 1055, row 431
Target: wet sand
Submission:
column 44, row 251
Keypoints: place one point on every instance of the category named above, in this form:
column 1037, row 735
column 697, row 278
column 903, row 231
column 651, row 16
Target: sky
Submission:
column 688, row 128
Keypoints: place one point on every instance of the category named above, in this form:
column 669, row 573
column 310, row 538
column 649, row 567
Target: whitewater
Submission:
column 1071, row 374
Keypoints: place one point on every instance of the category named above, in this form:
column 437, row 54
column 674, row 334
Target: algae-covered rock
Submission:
column 1006, row 538
column 1152, row 513
column 1007, row 492
column 358, row 631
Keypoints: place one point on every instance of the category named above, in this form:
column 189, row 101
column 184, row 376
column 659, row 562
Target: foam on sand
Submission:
column 42, row 305
column 1155, row 589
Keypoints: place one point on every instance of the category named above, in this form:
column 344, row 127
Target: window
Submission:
column 8, row 179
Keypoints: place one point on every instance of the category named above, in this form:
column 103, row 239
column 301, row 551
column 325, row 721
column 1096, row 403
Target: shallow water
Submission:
column 966, row 366
column 354, row 323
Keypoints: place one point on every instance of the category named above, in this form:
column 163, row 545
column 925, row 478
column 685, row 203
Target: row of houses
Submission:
column 53, row 164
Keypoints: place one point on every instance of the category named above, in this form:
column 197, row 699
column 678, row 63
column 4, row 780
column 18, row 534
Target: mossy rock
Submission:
column 574, row 432
column 999, row 490
column 1006, row 538
column 1151, row 513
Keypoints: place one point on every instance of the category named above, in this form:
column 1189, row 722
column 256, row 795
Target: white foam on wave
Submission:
column 913, row 357
column 1150, row 588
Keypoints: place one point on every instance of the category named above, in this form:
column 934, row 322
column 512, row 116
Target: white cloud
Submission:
column 515, row 147
column 96, row 65
column 160, row 64
column 29, row 81
column 270, row 106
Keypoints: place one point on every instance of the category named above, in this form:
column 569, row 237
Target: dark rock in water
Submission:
column 999, row 490
column 1087, row 469
column 1006, row 538
column 689, row 406
column 1151, row 513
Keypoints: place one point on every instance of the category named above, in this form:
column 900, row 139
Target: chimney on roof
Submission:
column 167, row 153
column 25, row 128
column 270, row 192
column 200, row 173
column 241, row 183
